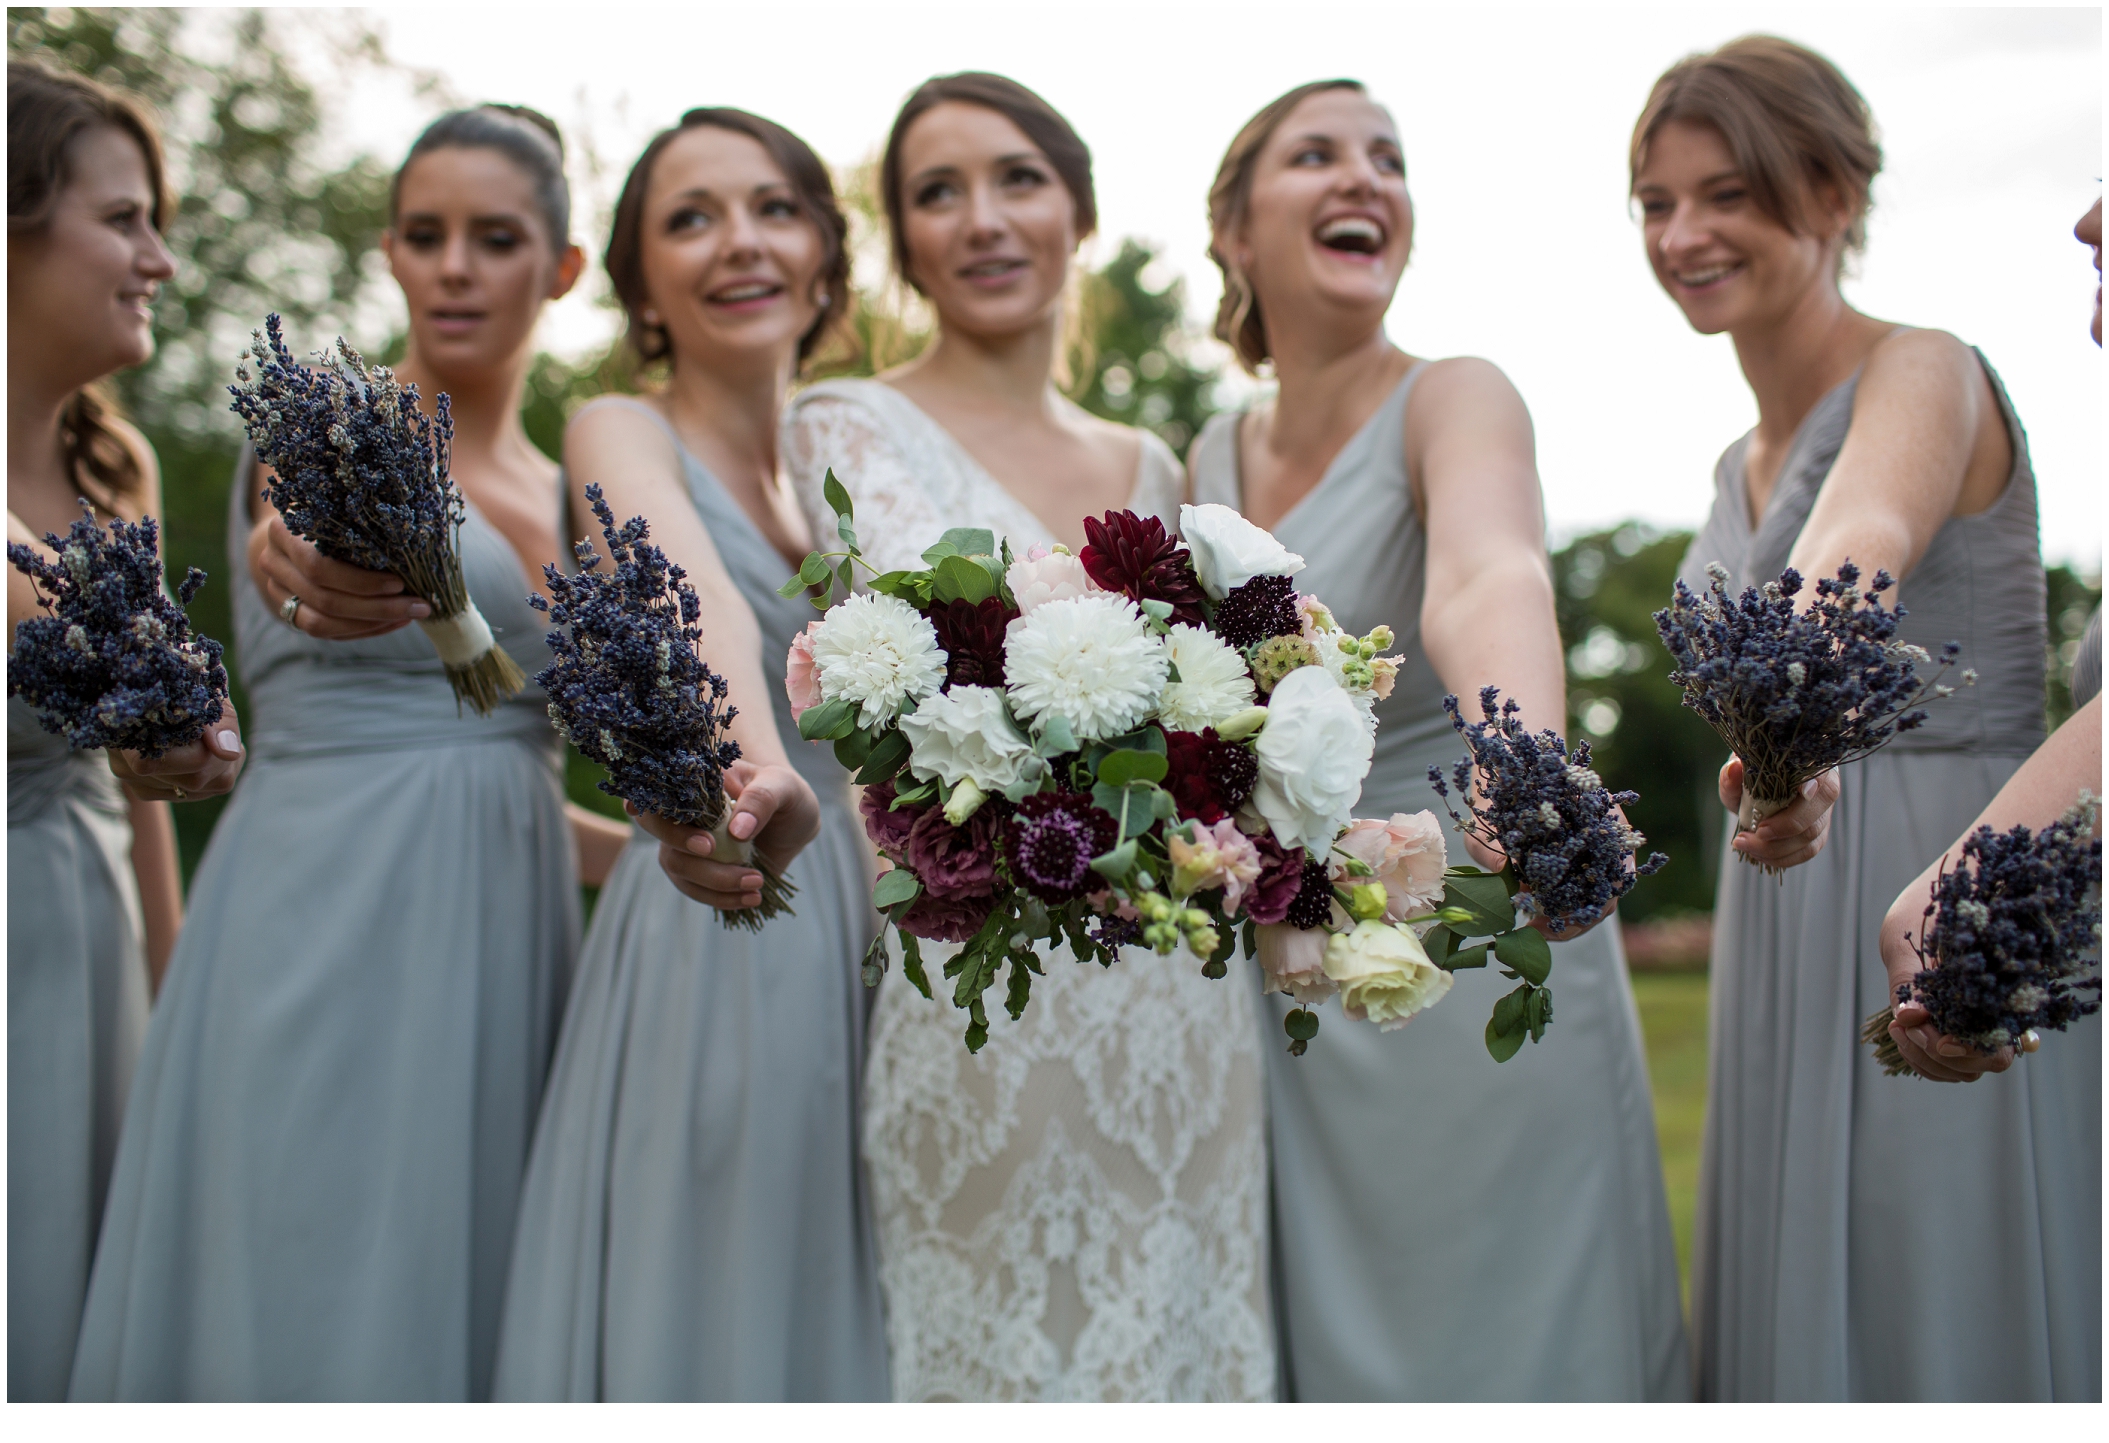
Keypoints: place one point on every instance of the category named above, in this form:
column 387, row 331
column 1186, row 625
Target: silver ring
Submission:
column 289, row 609
column 180, row 793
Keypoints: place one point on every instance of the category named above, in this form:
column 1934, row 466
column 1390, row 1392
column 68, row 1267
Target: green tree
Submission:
column 2073, row 600
column 1135, row 363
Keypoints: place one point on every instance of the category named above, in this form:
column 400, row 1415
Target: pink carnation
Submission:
column 1406, row 854
column 801, row 678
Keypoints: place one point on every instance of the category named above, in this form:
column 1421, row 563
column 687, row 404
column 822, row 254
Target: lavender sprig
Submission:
column 2014, row 943
column 114, row 663
column 1796, row 692
column 1553, row 817
column 629, row 690
column 361, row 471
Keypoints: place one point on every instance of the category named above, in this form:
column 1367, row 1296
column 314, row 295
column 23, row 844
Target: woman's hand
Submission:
column 338, row 601
column 1791, row 835
column 774, row 808
column 1493, row 859
column 1931, row 1055
column 204, row 768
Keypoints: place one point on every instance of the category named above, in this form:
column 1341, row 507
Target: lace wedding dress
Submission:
column 1080, row 1210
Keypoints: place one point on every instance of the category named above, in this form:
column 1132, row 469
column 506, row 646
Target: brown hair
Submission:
column 46, row 113
column 1043, row 125
column 1790, row 119
column 524, row 136
column 808, row 176
column 1238, row 321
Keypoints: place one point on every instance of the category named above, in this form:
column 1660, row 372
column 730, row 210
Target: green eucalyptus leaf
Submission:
column 837, row 496
column 1509, row 1012
column 1156, row 610
column 959, row 578
column 887, row 757
column 1249, row 937
column 969, row 541
column 1122, row 767
column 1301, row 1024
column 794, row 587
column 894, row 888
column 814, row 569
column 1525, row 950
column 1147, row 739
column 1115, row 865
column 1504, row 1045
column 1055, row 738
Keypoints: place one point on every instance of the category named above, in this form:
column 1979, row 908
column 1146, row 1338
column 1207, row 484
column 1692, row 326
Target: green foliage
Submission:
column 1133, row 365
column 2072, row 601
column 1620, row 699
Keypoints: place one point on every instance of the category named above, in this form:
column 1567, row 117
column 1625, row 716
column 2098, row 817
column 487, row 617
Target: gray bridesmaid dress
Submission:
column 1862, row 1237
column 695, row 1224
column 76, row 1011
column 315, row 1191
column 1446, row 1227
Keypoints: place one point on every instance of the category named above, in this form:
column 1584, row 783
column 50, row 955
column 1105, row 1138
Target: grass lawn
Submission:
column 1673, row 1019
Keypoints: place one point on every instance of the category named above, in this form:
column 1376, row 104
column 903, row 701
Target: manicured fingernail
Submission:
column 419, row 611
column 699, row 843
column 230, row 742
column 744, row 826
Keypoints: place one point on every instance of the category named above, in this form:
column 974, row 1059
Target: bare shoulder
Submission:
column 626, row 427
column 1922, row 367
column 1463, row 398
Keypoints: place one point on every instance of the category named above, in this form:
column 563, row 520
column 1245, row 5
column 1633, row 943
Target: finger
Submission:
column 670, row 833
column 326, row 572
column 331, row 614
column 1731, row 784
column 713, row 884
column 759, row 801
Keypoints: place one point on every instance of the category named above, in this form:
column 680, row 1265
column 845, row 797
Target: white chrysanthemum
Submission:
column 878, row 653
column 1213, row 682
column 1088, row 659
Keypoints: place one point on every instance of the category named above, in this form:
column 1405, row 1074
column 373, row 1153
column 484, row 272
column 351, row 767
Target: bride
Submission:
column 1078, row 1211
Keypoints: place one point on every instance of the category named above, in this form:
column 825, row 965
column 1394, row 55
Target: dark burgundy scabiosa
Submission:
column 888, row 828
column 1110, row 929
column 1313, row 906
column 1137, row 557
column 113, row 662
column 1264, row 606
column 1050, row 840
column 972, row 635
column 954, row 863
column 1281, row 878
column 1210, row 778
column 937, row 919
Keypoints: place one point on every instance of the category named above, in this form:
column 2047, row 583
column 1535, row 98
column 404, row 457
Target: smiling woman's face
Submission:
column 474, row 257
column 988, row 226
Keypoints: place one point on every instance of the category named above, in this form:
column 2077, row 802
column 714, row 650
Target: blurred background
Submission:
column 283, row 127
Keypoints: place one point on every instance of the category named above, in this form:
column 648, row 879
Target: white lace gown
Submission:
column 1080, row 1210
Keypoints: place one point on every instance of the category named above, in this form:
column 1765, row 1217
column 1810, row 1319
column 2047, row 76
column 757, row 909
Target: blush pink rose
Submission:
column 801, row 678
column 1292, row 960
column 1041, row 576
column 1406, row 854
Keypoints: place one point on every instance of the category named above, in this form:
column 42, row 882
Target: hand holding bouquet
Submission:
column 2013, row 941
column 629, row 690
column 362, row 472
column 1796, row 692
column 114, row 662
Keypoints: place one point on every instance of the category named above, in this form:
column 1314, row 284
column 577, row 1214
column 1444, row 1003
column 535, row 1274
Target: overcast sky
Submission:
column 1515, row 123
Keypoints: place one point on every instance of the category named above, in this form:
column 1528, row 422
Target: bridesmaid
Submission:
column 1843, row 1214
column 2069, row 762
column 694, row 1224
column 314, row 1196
column 1410, row 488
column 1079, row 1210
column 94, row 902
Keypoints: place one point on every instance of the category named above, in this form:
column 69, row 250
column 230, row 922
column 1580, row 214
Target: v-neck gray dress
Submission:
column 323, row 1150
column 1863, row 1237
column 76, row 1012
column 695, row 1224
column 1446, row 1227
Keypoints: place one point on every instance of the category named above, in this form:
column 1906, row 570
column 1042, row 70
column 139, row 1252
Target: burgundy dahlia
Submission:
column 1210, row 778
column 1264, row 606
column 1281, row 877
column 1137, row 557
column 1051, row 839
column 972, row 636
column 955, row 863
column 936, row 919
column 888, row 829
column 1313, row 906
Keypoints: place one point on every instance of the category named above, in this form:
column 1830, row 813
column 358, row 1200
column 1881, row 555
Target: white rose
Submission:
column 1229, row 551
column 1313, row 754
column 1036, row 580
column 1383, row 973
column 965, row 735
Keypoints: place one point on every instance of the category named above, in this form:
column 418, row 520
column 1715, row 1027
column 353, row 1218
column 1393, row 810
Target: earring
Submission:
column 824, row 300
column 649, row 316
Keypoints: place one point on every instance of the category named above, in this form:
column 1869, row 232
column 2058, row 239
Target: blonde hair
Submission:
column 1238, row 321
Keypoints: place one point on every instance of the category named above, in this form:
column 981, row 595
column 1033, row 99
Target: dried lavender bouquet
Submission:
column 2014, row 942
column 628, row 689
column 1571, row 855
column 362, row 473
column 114, row 662
column 1796, row 692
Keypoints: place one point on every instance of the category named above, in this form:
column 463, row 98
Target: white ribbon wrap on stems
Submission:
column 461, row 638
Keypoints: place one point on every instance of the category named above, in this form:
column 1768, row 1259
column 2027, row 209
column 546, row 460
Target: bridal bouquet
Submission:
column 362, row 473
column 113, row 662
column 2014, row 942
column 628, row 689
column 1797, row 692
column 1152, row 741
column 1570, row 855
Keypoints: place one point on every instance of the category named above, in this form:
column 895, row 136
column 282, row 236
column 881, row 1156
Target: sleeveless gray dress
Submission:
column 76, row 1011
column 1542, row 1265
column 1862, row 1237
column 315, row 1191
column 695, row 1224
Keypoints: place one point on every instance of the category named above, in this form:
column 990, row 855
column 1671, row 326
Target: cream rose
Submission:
column 1406, row 854
column 1313, row 754
column 965, row 735
column 1229, row 551
column 1383, row 974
